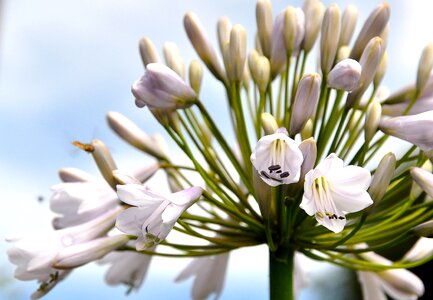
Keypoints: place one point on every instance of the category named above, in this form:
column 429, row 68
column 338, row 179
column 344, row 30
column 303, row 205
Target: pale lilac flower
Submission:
column 153, row 215
column 277, row 158
column 161, row 87
column 331, row 190
column 126, row 267
column 345, row 75
column 416, row 129
column 399, row 284
column 35, row 255
column 209, row 273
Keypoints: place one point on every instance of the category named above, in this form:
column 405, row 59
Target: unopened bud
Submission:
column 133, row 135
column 201, row 44
column 307, row 96
column 263, row 196
column 308, row 148
column 148, row 52
column 373, row 26
column 382, row 177
column 307, row 131
column 291, row 31
column 424, row 178
column 354, row 120
column 104, row 161
column 424, row 229
column 313, row 11
column 246, row 78
column 195, row 75
column 74, row 175
column 348, row 24
column 372, row 119
column 238, row 52
column 223, row 29
column 264, row 25
column 260, row 70
column 166, row 118
column 329, row 37
column 269, row 123
column 173, row 59
column 345, row 75
column 343, row 53
column 425, row 67
column 370, row 61
column 380, row 70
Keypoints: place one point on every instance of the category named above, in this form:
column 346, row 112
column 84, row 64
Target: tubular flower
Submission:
column 153, row 215
column 331, row 190
column 277, row 158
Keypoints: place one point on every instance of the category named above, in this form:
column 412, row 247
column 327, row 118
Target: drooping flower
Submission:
column 126, row 267
column 161, row 87
column 209, row 272
column 416, row 129
column 399, row 284
column 35, row 255
column 331, row 190
column 277, row 158
column 153, row 215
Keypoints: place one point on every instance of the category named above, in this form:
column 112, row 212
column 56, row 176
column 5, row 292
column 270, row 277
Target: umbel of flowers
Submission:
column 303, row 174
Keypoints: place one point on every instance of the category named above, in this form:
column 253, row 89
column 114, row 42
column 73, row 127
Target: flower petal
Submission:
column 139, row 195
column 131, row 220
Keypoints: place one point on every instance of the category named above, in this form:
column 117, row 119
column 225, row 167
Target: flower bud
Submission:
column 307, row 96
column 329, row 37
column 423, row 248
column 223, row 29
column 173, row 59
column 83, row 253
column 260, row 70
column 345, row 75
column 425, row 229
column 370, row 61
column 161, row 87
column 263, row 196
column 415, row 129
column 148, row 52
column 342, row 53
column 74, row 175
column 308, row 148
column 133, row 135
column 201, row 44
column 246, row 78
column 424, row 179
column 372, row 119
column 104, row 161
column 238, row 52
column 293, row 33
column 373, row 26
column 382, row 177
column 354, row 120
column 417, row 190
column 264, row 25
column 307, row 131
column 380, row 70
column 348, row 24
column 313, row 11
column 166, row 117
column 425, row 67
column 269, row 123
column 195, row 75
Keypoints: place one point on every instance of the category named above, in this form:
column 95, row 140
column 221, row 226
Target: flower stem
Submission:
column 281, row 274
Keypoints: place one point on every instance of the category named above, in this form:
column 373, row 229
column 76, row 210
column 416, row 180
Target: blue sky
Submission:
column 64, row 64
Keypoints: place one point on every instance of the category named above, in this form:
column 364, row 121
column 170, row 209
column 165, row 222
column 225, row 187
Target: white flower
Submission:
column 154, row 214
column 127, row 267
column 331, row 190
column 277, row 158
column 161, row 87
column 345, row 75
column 399, row 284
column 209, row 272
column 423, row 248
column 416, row 129
column 35, row 255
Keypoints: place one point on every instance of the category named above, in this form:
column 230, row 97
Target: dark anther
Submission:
column 341, row 218
column 147, row 229
column 279, row 171
column 274, row 168
column 264, row 174
column 284, row 175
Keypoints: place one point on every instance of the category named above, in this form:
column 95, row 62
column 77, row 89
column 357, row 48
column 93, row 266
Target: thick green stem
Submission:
column 281, row 265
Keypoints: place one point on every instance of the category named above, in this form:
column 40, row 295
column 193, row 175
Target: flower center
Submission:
column 325, row 206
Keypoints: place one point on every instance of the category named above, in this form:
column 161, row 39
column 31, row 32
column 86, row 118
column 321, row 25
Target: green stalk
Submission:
column 281, row 275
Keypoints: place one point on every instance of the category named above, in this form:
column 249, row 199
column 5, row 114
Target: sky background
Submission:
column 65, row 63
